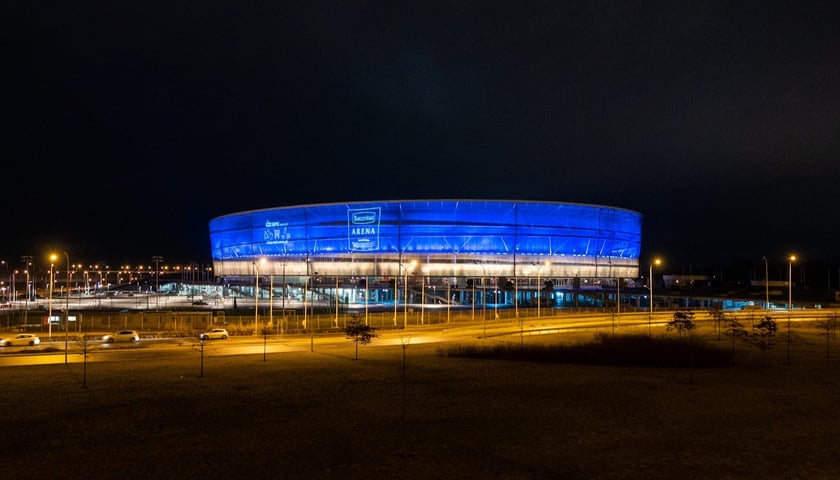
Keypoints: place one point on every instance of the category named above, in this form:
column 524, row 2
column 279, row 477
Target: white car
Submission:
column 21, row 339
column 216, row 333
column 130, row 336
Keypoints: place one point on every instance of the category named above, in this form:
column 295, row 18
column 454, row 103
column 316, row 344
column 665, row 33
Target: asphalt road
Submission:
column 56, row 350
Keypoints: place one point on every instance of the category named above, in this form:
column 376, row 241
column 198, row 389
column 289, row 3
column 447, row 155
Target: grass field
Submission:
column 324, row 415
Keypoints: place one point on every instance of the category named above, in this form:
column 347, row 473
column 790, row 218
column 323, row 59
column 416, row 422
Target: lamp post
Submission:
column 766, row 286
column 67, row 308
column 336, row 300
column 483, row 301
column 405, row 295
column 539, row 271
column 472, row 317
column 14, row 288
column 28, row 298
column 448, row 300
column 397, row 290
column 50, row 292
column 282, row 321
column 484, row 297
column 422, row 296
column 367, row 300
column 791, row 259
column 617, row 300
column 305, row 287
column 312, row 317
column 27, row 262
column 9, row 290
column 515, row 293
column 496, row 299
column 157, row 259
column 656, row 262
column 257, row 296
column 537, row 293
column 78, row 268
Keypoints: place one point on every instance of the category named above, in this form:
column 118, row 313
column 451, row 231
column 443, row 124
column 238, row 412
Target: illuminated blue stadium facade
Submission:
column 443, row 242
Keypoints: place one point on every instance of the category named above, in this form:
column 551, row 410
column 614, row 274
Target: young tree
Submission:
column 827, row 326
column 266, row 331
column 719, row 318
column 683, row 322
column 732, row 327
column 763, row 335
column 84, row 344
column 357, row 331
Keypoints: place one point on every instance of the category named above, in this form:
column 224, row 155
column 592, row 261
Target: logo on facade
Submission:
column 276, row 233
column 363, row 229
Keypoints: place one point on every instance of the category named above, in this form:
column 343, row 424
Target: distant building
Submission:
column 685, row 281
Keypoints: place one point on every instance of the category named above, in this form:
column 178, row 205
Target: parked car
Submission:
column 130, row 336
column 216, row 333
column 20, row 339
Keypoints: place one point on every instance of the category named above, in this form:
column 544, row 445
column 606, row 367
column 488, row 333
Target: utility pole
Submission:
column 157, row 259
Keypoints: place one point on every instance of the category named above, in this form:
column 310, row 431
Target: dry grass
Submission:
column 324, row 415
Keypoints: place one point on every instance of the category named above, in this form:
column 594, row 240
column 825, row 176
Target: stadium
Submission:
column 504, row 253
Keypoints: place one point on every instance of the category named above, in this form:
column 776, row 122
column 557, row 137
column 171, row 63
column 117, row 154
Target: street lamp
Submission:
column 472, row 317
column 282, row 321
column 496, row 299
column 28, row 297
column 423, row 296
column 14, row 287
column 3, row 262
column 337, row 303
column 53, row 257
column 515, row 293
column 257, row 295
column 67, row 308
column 539, row 271
column 791, row 259
column 405, row 295
column 448, row 300
column 367, row 300
column 617, row 300
column 656, row 262
column 157, row 259
column 305, row 287
column 766, row 287
column 483, row 301
column 271, row 299
column 27, row 262
column 311, row 325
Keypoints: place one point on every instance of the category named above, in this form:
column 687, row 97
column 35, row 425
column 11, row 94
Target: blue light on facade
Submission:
column 437, row 231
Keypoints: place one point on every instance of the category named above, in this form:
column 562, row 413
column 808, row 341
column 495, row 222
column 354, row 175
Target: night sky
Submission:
column 129, row 125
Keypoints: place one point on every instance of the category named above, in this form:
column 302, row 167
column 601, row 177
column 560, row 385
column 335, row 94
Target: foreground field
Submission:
column 325, row 415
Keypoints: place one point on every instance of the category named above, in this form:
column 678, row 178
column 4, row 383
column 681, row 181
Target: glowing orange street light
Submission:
column 791, row 259
column 53, row 258
column 656, row 262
